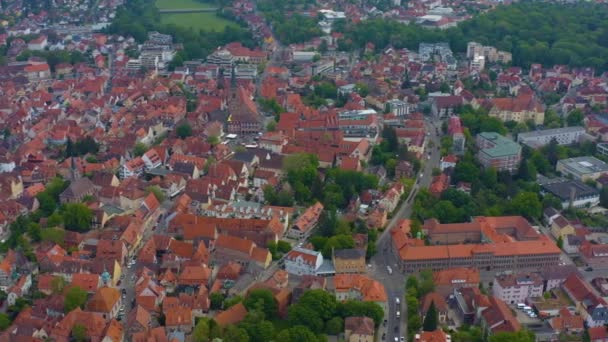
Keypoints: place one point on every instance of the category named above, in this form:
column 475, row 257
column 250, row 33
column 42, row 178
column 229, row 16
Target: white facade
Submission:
column 302, row 261
column 514, row 289
column 563, row 136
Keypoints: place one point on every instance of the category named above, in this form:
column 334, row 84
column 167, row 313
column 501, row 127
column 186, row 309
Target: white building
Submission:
column 563, row 136
column 517, row 288
column 151, row 159
column 302, row 261
column 398, row 107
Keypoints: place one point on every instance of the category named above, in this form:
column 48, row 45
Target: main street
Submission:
column 394, row 283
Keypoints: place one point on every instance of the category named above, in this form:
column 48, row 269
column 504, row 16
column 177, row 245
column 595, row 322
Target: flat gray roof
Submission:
column 554, row 131
column 584, row 165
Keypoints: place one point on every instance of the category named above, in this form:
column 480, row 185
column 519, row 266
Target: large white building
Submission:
column 563, row 136
column 302, row 261
column 517, row 288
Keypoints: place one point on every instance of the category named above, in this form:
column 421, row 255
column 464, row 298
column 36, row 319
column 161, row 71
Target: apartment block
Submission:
column 498, row 152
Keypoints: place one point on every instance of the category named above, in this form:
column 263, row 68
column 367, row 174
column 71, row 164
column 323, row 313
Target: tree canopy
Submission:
column 534, row 32
column 74, row 298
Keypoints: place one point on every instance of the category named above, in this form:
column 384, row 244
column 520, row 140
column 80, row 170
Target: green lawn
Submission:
column 177, row 4
column 197, row 21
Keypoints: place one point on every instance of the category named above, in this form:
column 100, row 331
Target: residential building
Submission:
column 105, row 301
column 582, row 168
column 456, row 131
column 245, row 252
column 305, row 223
column 498, row 152
column 361, row 288
column 498, row 317
column 517, row 288
column 359, row 329
column 490, row 53
column 349, row 260
column 134, row 167
column 302, row 261
column 398, row 107
column 432, row 336
column 555, row 276
column 592, row 308
column 507, row 243
column 77, row 190
column 440, row 306
column 449, row 280
column 445, row 106
column 563, row 136
column 151, row 159
column 567, row 323
column 519, row 109
column 561, row 227
column 595, row 255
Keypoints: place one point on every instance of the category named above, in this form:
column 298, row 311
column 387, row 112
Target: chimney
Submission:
column 572, row 196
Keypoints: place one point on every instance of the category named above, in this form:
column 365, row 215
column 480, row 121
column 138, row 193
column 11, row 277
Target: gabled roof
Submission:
column 233, row 315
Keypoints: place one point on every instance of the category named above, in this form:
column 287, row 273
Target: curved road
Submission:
column 395, row 283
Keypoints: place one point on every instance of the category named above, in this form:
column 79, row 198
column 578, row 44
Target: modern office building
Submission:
column 582, row 168
column 498, row 152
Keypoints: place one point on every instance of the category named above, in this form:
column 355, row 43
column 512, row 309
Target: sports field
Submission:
column 199, row 20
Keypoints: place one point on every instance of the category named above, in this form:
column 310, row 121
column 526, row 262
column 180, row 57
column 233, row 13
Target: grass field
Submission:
column 178, row 4
column 206, row 21
column 197, row 21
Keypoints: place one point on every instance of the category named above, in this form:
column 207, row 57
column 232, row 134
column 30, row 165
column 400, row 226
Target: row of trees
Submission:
column 535, row 32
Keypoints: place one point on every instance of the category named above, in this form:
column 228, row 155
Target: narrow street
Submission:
column 394, row 283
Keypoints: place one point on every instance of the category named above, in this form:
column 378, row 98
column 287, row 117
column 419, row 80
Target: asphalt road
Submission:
column 394, row 283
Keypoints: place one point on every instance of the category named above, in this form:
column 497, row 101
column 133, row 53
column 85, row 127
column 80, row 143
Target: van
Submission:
column 397, row 301
column 398, row 314
column 527, row 308
column 521, row 305
column 389, row 270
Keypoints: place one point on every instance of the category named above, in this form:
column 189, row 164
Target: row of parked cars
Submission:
column 527, row 310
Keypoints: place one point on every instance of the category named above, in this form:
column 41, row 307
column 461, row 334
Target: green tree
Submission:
column 79, row 333
column 258, row 329
column 357, row 308
column 57, row 285
column 139, row 149
column 216, row 299
column 201, row 330
column 184, row 130
column 297, row 333
column 334, row 326
column 519, row 336
column 575, row 118
column 74, row 298
column 229, row 302
column 262, row 300
column 431, row 318
column 411, row 282
column 560, row 242
column 299, row 314
column 77, row 217
column 233, row 333
column 604, row 197
column 271, row 126
column 526, row 204
column 321, row 301
column 5, row 321
column 158, row 193
column 427, row 285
